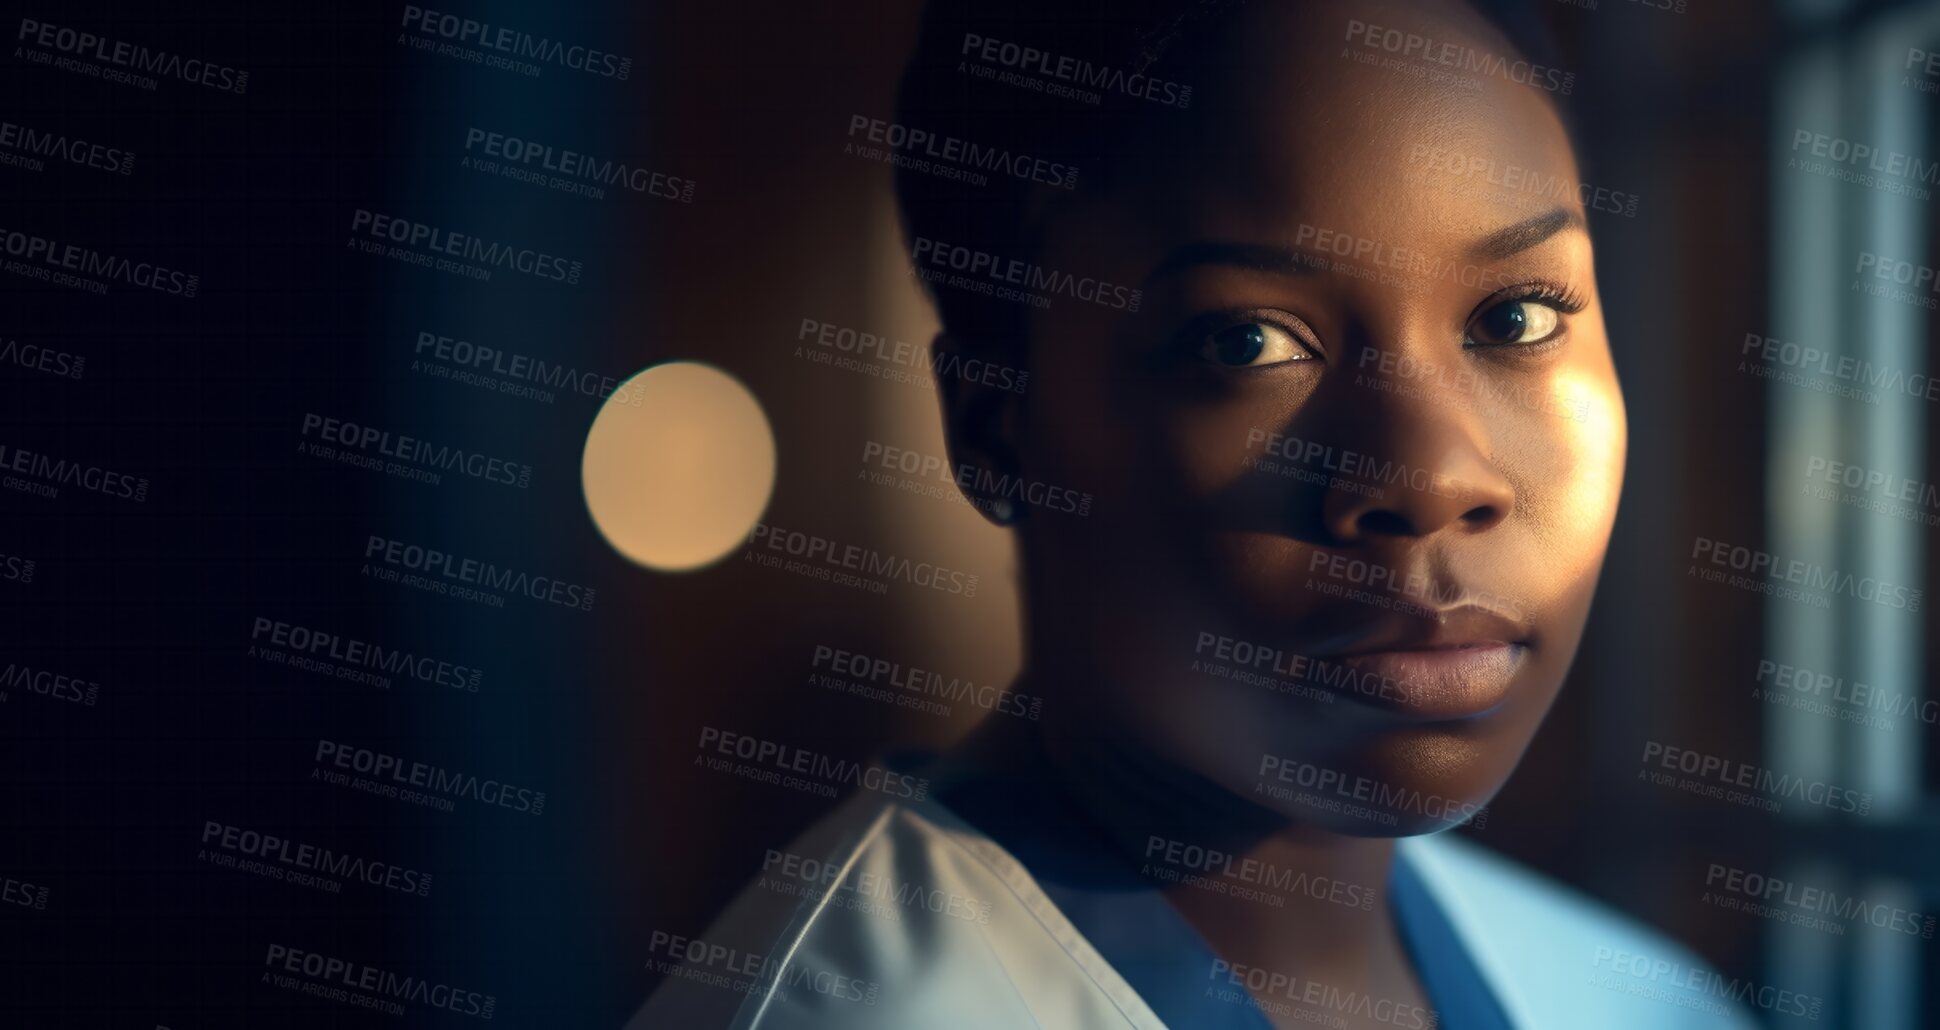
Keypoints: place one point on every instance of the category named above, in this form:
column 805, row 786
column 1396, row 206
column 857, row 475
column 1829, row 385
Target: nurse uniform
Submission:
column 987, row 905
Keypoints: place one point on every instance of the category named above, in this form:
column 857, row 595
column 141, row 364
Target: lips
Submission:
column 1455, row 664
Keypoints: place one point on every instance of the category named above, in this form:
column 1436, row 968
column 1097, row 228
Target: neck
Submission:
column 1321, row 911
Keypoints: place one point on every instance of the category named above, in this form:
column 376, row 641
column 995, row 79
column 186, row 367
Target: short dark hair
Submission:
column 1105, row 41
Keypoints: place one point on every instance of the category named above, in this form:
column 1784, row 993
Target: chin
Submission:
column 1348, row 817
column 1411, row 782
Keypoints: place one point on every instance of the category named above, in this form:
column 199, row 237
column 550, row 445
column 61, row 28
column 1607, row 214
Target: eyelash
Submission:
column 1567, row 300
column 1190, row 336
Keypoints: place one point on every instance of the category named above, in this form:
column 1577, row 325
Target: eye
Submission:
column 1522, row 321
column 1252, row 344
column 1515, row 321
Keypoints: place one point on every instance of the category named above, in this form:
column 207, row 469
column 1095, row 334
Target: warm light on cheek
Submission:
column 1591, row 424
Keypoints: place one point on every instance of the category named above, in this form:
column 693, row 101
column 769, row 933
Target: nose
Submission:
column 1424, row 467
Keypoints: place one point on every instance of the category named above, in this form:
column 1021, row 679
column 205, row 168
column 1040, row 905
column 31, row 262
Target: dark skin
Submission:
column 1253, row 323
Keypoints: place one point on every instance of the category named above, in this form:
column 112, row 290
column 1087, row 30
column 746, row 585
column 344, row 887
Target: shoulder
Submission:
column 888, row 914
column 1555, row 957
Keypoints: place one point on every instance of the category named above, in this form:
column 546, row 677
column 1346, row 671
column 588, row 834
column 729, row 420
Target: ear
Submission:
column 982, row 393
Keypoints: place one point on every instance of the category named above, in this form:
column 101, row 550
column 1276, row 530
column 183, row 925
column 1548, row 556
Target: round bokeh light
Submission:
column 679, row 466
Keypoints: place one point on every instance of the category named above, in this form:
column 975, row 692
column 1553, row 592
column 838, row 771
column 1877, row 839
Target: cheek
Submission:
column 1081, row 433
column 1119, row 430
column 1209, row 447
column 1582, row 474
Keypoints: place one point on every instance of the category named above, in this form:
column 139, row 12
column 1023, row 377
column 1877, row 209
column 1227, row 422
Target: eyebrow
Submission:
column 1257, row 257
column 1500, row 244
column 1525, row 234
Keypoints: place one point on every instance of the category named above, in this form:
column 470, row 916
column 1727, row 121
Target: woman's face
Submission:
column 1364, row 429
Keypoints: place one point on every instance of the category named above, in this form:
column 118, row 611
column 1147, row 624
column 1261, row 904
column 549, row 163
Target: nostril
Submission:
column 1384, row 522
column 1483, row 515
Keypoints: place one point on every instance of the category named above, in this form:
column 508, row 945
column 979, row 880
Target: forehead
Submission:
column 1393, row 119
